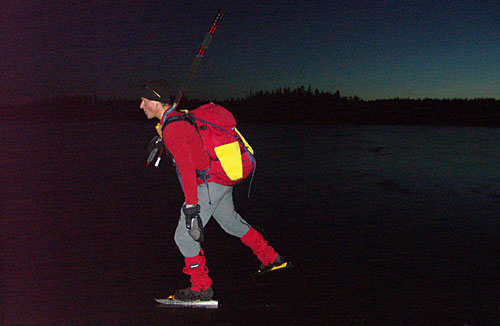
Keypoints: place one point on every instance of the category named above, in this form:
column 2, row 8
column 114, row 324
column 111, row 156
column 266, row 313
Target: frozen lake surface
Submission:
column 386, row 225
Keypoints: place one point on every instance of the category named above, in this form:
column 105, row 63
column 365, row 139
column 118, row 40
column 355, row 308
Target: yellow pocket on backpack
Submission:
column 230, row 158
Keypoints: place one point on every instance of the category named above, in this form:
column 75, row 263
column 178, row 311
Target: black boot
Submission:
column 279, row 263
column 191, row 295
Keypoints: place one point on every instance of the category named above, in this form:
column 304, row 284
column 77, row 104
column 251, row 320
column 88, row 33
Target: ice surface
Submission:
column 384, row 223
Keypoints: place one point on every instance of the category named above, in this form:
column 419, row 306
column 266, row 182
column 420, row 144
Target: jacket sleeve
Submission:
column 178, row 138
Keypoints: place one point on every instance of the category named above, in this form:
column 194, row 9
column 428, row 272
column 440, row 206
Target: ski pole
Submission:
column 197, row 59
column 192, row 70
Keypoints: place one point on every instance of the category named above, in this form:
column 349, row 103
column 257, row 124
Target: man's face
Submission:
column 149, row 108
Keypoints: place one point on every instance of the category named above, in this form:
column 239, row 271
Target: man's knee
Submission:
column 187, row 246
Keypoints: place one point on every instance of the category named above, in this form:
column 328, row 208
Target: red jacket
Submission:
column 184, row 143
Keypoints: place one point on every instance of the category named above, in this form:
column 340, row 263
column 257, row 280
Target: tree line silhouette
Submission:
column 303, row 105
column 286, row 105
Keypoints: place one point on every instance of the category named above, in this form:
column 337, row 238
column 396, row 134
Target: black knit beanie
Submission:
column 156, row 90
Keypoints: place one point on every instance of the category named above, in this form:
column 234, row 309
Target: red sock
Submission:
column 196, row 268
column 264, row 252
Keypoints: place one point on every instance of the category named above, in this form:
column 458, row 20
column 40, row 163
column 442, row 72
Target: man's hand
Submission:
column 194, row 224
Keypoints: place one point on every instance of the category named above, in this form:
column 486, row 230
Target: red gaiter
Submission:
column 196, row 268
column 264, row 252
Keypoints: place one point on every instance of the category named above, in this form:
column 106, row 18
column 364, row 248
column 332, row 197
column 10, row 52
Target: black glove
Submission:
column 194, row 224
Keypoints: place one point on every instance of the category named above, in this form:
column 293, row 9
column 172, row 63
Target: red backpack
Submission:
column 231, row 155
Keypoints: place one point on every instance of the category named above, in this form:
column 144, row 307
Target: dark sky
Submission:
column 372, row 49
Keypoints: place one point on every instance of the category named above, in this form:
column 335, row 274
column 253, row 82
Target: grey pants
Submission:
column 222, row 209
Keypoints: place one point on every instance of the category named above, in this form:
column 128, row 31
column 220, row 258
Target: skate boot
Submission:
column 192, row 295
column 279, row 263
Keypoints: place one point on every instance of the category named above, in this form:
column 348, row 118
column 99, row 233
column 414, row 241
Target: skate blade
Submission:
column 173, row 302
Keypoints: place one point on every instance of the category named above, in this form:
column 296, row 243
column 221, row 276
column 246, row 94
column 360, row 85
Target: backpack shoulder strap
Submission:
column 185, row 117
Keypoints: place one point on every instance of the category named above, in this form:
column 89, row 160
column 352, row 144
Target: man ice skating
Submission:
column 202, row 201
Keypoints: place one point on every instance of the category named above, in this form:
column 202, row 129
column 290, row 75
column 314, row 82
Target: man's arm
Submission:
column 178, row 137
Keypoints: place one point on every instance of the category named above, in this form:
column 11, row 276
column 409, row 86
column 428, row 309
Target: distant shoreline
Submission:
column 284, row 106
